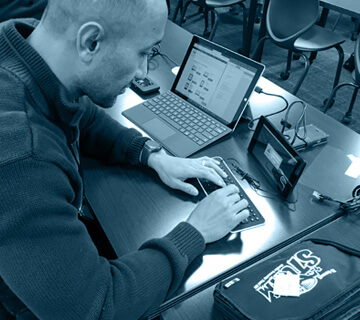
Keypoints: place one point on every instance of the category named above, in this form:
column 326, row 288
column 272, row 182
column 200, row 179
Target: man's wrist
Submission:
column 155, row 159
column 150, row 147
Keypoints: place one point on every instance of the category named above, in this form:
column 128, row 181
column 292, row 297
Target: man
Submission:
column 48, row 264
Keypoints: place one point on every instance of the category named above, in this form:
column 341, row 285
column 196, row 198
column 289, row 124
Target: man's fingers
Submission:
column 186, row 187
column 228, row 190
column 240, row 216
column 213, row 164
column 211, row 174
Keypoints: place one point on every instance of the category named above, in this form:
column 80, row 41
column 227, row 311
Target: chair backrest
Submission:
column 288, row 19
column 357, row 61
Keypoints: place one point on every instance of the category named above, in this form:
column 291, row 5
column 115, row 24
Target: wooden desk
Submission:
column 132, row 205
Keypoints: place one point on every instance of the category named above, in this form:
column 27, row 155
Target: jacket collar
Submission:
column 47, row 90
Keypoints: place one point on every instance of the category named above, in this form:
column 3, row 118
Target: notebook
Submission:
column 206, row 101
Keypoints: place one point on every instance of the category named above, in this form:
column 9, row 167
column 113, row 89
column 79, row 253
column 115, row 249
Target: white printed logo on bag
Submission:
column 303, row 263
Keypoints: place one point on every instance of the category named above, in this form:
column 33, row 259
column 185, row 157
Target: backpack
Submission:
column 329, row 284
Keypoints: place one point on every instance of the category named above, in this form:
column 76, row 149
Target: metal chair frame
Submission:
column 205, row 8
column 356, row 84
column 289, row 42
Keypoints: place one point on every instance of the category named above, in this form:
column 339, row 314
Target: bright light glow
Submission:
column 175, row 70
column 354, row 169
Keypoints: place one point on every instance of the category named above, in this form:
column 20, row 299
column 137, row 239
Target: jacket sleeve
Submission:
column 49, row 261
column 103, row 137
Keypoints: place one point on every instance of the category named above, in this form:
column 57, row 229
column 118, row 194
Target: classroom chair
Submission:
column 291, row 24
column 206, row 6
column 356, row 84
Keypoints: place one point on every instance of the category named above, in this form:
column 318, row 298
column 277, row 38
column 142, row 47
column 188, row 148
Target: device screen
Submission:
column 277, row 159
column 214, row 81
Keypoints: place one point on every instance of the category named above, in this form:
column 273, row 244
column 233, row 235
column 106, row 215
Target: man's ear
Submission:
column 88, row 42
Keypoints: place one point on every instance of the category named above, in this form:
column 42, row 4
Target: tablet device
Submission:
column 277, row 159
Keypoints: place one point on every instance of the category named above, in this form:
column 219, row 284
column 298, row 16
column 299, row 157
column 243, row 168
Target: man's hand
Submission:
column 173, row 171
column 218, row 213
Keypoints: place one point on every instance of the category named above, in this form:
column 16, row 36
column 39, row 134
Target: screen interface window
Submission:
column 275, row 158
column 214, row 82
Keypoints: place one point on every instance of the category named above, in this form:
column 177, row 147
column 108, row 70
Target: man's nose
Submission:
column 142, row 70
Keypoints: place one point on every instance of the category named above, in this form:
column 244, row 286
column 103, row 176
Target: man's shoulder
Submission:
column 15, row 135
column 10, row 83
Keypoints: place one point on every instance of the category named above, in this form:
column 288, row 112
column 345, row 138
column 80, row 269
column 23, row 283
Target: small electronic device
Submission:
column 312, row 136
column 255, row 219
column 145, row 86
column 277, row 159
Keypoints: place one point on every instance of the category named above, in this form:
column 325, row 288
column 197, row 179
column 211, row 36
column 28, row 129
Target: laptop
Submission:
column 207, row 99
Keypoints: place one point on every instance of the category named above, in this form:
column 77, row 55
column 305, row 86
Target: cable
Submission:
column 284, row 122
column 347, row 206
column 302, row 120
column 254, row 183
column 260, row 90
column 244, row 175
column 156, row 51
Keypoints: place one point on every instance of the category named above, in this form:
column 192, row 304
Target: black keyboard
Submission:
column 185, row 118
column 255, row 218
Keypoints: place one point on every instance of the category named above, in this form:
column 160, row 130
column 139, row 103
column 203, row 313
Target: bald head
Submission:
column 96, row 47
column 118, row 16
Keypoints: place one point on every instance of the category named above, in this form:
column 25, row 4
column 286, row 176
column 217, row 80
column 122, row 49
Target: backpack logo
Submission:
column 304, row 263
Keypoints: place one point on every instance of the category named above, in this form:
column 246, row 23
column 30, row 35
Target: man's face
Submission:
column 123, row 60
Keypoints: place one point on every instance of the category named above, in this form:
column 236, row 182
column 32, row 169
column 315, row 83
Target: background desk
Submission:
column 132, row 204
column 348, row 7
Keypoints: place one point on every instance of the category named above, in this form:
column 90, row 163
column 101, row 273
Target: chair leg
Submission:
column 257, row 54
column 245, row 19
column 207, row 30
column 184, row 12
column 356, row 30
column 285, row 75
column 340, row 64
column 329, row 102
column 312, row 56
column 214, row 23
column 347, row 117
column 168, row 5
column 307, row 66
column 179, row 6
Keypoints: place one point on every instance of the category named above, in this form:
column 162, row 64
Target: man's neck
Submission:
column 51, row 51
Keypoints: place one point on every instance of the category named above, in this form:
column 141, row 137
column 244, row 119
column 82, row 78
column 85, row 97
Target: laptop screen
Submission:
column 217, row 80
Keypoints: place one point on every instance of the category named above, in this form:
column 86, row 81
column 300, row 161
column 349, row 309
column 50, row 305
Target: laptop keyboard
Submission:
column 255, row 218
column 185, row 118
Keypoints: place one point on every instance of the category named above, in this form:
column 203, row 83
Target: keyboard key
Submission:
column 170, row 121
column 255, row 218
column 183, row 117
